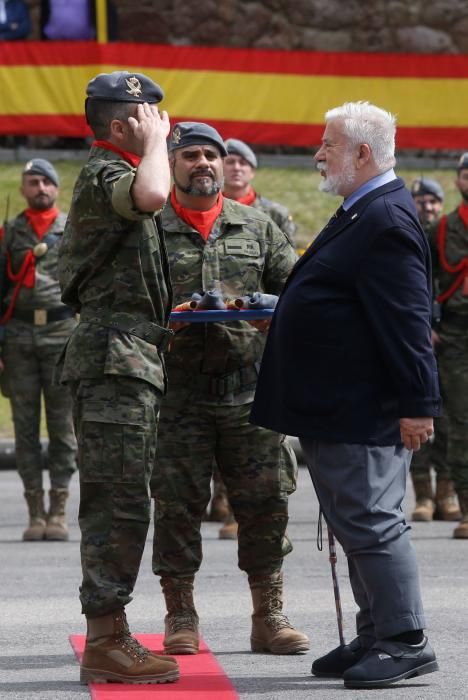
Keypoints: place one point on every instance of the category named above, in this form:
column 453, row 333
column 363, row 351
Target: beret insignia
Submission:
column 134, row 86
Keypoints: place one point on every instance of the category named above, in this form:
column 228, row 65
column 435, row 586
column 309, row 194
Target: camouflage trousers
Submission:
column 29, row 378
column 257, row 466
column 453, row 369
column 433, row 454
column 116, row 425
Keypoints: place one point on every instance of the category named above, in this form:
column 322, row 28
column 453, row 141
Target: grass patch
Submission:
column 295, row 188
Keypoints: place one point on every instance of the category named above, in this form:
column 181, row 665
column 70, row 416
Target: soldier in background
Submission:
column 36, row 326
column 217, row 244
column 449, row 244
column 240, row 166
column 428, row 197
column 113, row 271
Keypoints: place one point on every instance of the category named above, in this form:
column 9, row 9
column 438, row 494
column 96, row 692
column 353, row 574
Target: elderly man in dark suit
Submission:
column 355, row 316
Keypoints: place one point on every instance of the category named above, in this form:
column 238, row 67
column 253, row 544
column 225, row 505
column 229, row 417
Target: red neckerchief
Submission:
column 202, row 221
column 248, row 198
column 461, row 267
column 131, row 158
column 41, row 220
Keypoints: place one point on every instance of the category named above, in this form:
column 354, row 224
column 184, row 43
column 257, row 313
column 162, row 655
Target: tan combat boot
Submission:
column 181, row 622
column 271, row 629
column 220, row 508
column 112, row 655
column 37, row 516
column 229, row 529
column 425, row 506
column 57, row 528
column 446, row 500
column 461, row 531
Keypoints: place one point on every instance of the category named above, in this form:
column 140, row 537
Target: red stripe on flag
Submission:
column 233, row 60
column 201, row 677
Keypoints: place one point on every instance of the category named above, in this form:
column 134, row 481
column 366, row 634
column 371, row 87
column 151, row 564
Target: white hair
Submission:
column 365, row 123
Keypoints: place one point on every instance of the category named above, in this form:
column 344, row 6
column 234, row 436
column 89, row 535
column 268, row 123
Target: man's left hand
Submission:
column 415, row 431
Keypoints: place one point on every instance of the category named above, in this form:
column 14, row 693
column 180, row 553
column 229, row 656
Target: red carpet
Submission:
column 201, row 677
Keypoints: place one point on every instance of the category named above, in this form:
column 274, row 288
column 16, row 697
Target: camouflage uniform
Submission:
column 113, row 270
column 278, row 213
column 212, row 371
column 433, row 454
column 453, row 350
column 32, row 345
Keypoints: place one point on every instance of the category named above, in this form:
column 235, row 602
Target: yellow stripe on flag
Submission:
column 257, row 97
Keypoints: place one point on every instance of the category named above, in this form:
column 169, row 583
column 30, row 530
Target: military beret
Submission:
column 195, row 134
column 463, row 162
column 40, row 166
column 122, row 86
column 424, row 185
column 239, row 148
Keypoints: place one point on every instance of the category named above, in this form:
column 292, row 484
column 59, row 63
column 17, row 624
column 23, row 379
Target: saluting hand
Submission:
column 149, row 126
column 415, row 431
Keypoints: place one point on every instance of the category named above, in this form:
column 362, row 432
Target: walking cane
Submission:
column 336, row 589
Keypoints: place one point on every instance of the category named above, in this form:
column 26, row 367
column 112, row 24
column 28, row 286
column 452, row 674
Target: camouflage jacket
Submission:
column 278, row 213
column 18, row 239
column 456, row 247
column 113, row 270
column 245, row 253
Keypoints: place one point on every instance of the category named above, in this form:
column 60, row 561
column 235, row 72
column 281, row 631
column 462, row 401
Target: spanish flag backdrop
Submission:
column 260, row 96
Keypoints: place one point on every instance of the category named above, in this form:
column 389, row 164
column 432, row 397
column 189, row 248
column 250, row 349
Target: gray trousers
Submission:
column 360, row 489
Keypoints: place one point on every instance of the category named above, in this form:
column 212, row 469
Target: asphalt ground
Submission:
column 39, row 608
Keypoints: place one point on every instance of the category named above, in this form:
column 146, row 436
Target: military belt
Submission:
column 216, row 384
column 126, row 323
column 41, row 317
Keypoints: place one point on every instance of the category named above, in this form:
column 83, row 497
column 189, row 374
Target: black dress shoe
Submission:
column 337, row 661
column 388, row 662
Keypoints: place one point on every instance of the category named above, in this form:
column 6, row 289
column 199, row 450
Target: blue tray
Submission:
column 221, row 315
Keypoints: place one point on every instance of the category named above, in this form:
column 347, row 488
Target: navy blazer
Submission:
column 349, row 349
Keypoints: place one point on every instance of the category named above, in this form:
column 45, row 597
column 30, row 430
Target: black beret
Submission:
column 41, row 166
column 195, row 134
column 122, row 86
column 424, row 185
column 239, row 148
column 463, row 162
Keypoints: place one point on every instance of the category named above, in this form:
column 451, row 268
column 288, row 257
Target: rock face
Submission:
column 414, row 26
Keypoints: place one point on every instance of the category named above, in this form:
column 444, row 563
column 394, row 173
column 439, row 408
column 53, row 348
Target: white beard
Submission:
column 334, row 184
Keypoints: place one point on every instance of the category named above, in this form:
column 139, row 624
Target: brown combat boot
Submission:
column 446, row 500
column 57, row 528
column 229, row 529
column 181, row 622
column 461, row 531
column 112, row 655
column 425, row 506
column 271, row 629
column 37, row 516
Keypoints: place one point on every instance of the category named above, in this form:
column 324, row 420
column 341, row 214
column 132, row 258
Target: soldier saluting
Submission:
column 35, row 325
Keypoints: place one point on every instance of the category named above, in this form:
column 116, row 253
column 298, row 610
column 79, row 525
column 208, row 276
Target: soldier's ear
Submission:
column 117, row 129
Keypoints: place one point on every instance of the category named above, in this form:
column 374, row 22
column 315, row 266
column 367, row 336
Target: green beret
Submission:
column 239, row 148
column 122, row 86
column 424, row 185
column 195, row 134
column 41, row 166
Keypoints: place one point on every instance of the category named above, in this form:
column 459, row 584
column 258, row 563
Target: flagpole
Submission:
column 101, row 22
